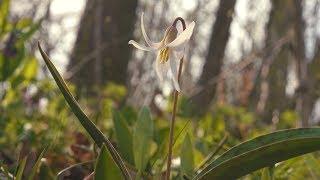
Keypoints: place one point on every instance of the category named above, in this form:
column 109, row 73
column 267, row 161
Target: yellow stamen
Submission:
column 164, row 55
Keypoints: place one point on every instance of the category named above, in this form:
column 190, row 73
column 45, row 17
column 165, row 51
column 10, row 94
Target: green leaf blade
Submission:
column 123, row 136
column 36, row 166
column 88, row 125
column 187, row 157
column 22, row 164
column 105, row 167
column 142, row 139
column 262, row 151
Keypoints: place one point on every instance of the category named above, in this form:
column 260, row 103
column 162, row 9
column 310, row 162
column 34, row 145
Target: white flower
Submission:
column 166, row 49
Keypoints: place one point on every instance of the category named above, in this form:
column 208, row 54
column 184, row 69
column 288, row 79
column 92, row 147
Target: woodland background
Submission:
column 251, row 67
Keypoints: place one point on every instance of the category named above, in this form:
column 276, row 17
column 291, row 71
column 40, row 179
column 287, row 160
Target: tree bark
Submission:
column 214, row 60
column 273, row 80
column 303, row 98
column 313, row 88
column 101, row 52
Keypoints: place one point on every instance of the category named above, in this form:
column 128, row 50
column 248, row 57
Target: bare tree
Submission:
column 313, row 82
column 274, row 70
column 105, row 28
column 214, row 60
column 302, row 94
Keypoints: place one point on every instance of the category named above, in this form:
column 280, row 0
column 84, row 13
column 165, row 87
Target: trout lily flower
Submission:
column 167, row 50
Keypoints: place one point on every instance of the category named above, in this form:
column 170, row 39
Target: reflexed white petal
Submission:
column 161, row 68
column 184, row 36
column 174, row 73
column 146, row 38
column 139, row 46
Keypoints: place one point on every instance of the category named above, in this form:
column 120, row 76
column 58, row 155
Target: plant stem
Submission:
column 175, row 101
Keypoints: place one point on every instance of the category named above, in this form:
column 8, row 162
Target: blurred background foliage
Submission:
column 113, row 83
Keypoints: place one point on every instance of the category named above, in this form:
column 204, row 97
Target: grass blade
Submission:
column 36, row 165
column 21, row 167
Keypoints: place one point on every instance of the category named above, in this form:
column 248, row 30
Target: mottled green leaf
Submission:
column 105, row 167
column 263, row 151
column 142, row 139
column 123, row 136
column 187, row 157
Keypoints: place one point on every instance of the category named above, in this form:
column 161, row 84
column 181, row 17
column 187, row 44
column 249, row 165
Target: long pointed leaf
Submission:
column 105, row 166
column 89, row 126
column 21, row 167
column 262, row 152
column 142, row 139
column 123, row 136
column 187, row 157
column 36, row 165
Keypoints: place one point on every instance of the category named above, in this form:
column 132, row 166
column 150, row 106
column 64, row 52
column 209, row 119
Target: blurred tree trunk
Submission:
column 303, row 98
column 313, row 88
column 101, row 52
column 214, row 60
column 273, row 79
